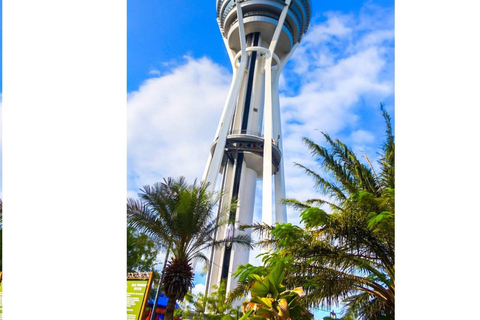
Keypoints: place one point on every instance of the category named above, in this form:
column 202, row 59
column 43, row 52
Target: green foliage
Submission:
column 141, row 251
column 248, row 270
column 314, row 216
column 271, row 300
column 213, row 307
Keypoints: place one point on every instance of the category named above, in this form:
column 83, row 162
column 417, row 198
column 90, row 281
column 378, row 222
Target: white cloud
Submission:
column 199, row 288
column 342, row 63
column 154, row 72
column 337, row 26
column 172, row 120
column 362, row 136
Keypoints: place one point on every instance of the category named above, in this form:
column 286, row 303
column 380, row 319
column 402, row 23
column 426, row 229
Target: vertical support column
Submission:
column 279, row 180
column 211, row 172
column 245, row 208
column 220, row 124
column 267, row 211
column 215, row 273
column 280, row 209
column 214, row 163
column 267, row 147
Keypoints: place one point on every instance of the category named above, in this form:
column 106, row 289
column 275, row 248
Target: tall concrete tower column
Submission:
column 260, row 36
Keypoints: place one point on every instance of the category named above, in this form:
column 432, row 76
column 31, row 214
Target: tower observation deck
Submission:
column 262, row 16
column 260, row 36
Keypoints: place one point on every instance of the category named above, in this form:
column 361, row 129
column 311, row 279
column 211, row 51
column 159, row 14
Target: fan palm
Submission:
column 346, row 256
column 181, row 217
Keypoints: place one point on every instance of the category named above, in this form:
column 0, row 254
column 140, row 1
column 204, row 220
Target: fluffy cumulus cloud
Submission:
column 340, row 73
column 172, row 120
column 334, row 83
column 199, row 288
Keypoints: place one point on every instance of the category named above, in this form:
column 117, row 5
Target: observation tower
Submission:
column 260, row 36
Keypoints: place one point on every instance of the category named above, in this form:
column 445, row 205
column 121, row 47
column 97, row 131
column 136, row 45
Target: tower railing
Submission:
column 247, row 132
column 251, row 133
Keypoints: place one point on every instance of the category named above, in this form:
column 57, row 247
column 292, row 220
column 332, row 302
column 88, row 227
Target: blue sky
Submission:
column 179, row 74
column 161, row 31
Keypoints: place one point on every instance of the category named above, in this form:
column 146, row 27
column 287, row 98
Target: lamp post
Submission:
column 154, row 307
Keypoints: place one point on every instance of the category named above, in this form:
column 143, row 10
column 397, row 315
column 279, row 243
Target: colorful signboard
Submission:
column 138, row 287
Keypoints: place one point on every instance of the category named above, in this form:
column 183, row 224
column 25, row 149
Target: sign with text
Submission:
column 138, row 287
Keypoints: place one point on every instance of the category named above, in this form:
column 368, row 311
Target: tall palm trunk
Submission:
column 170, row 308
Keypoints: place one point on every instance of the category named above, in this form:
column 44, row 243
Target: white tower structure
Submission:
column 260, row 36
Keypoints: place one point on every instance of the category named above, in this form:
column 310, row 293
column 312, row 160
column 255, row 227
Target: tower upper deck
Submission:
column 262, row 16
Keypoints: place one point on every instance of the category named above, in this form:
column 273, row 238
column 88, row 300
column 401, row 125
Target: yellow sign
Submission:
column 138, row 287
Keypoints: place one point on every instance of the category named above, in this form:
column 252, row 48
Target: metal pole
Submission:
column 214, row 163
column 154, row 307
column 268, row 122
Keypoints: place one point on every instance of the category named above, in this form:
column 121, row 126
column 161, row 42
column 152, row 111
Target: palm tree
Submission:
column 181, row 217
column 347, row 256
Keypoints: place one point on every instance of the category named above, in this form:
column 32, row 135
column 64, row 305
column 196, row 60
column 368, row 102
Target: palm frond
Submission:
column 325, row 186
column 387, row 160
